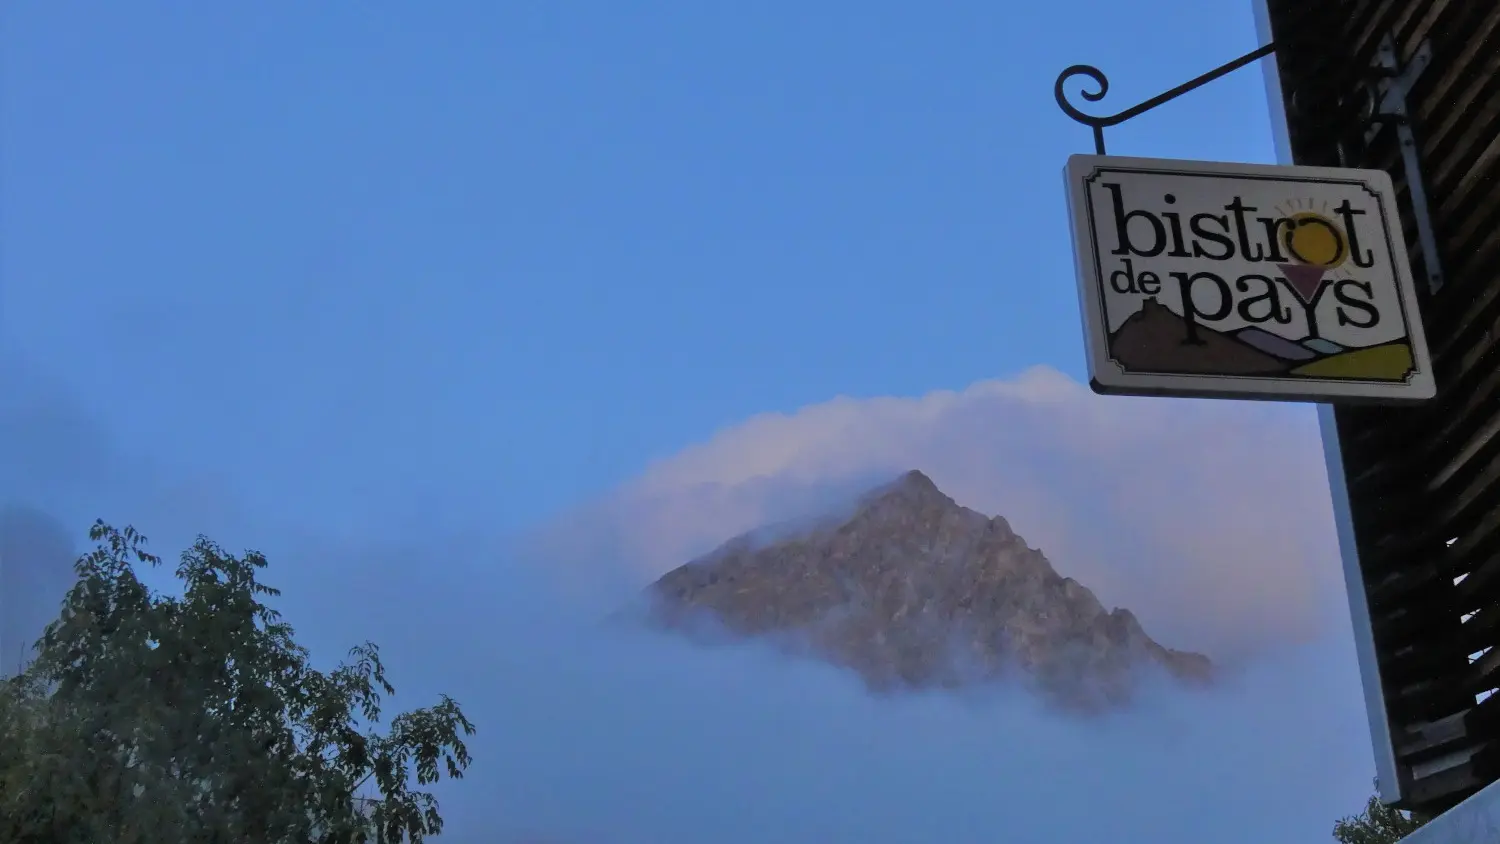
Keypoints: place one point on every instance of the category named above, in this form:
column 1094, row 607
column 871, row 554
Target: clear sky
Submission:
column 539, row 244
column 353, row 275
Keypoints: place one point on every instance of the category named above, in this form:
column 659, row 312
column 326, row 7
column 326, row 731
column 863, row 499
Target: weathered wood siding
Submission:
column 1424, row 482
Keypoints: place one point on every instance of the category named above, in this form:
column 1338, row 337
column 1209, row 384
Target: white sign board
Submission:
column 1244, row 281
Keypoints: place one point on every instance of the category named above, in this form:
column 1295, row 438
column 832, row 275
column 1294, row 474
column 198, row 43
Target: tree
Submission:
column 153, row 718
column 1379, row 824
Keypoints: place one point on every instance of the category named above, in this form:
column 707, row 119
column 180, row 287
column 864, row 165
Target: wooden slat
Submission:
column 1424, row 482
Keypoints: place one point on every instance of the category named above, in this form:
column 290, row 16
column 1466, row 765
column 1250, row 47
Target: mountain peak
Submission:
column 914, row 479
column 911, row 487
column 916, row 591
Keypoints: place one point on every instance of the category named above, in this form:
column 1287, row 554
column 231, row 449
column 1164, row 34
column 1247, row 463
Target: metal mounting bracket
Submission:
column 1100, row 123
column 1386, row 105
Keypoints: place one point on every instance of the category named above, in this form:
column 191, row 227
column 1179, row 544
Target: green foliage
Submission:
column 1379, row 824
column 152, row 718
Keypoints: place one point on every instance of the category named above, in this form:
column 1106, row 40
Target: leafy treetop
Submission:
column 1378, row 824
column 149, row 718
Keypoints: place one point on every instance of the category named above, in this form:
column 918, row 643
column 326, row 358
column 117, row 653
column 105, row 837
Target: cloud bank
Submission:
column 1210, row 519
column 591, row 734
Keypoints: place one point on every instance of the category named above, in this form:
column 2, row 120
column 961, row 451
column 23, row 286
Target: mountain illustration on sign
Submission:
column 1158, row 339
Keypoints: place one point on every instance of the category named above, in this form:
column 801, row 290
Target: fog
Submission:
column 594, row 732
column 591, row 732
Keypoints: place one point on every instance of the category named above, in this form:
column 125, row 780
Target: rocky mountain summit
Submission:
column 913, row 591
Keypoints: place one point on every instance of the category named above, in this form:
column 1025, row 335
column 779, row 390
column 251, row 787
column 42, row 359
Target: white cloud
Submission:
column 589, row 733
column 597, row 733
column 1210, row 519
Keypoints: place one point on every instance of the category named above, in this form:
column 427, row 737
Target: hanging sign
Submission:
column 1244, row 281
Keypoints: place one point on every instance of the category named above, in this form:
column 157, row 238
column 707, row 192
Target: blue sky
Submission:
column 541, row 244
column 327, row 278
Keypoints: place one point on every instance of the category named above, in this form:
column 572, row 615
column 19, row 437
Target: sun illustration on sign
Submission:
column 1317, row 245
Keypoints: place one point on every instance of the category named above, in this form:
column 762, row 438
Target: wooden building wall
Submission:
column 1424, row 482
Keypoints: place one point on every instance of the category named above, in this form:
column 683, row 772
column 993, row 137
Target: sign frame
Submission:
column 1107, row 376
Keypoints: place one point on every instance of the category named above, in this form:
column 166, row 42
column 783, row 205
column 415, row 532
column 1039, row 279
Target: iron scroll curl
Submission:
column 1101, row 85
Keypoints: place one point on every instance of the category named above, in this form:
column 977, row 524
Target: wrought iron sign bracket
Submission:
column 1099, row 123
column 1386, row 105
